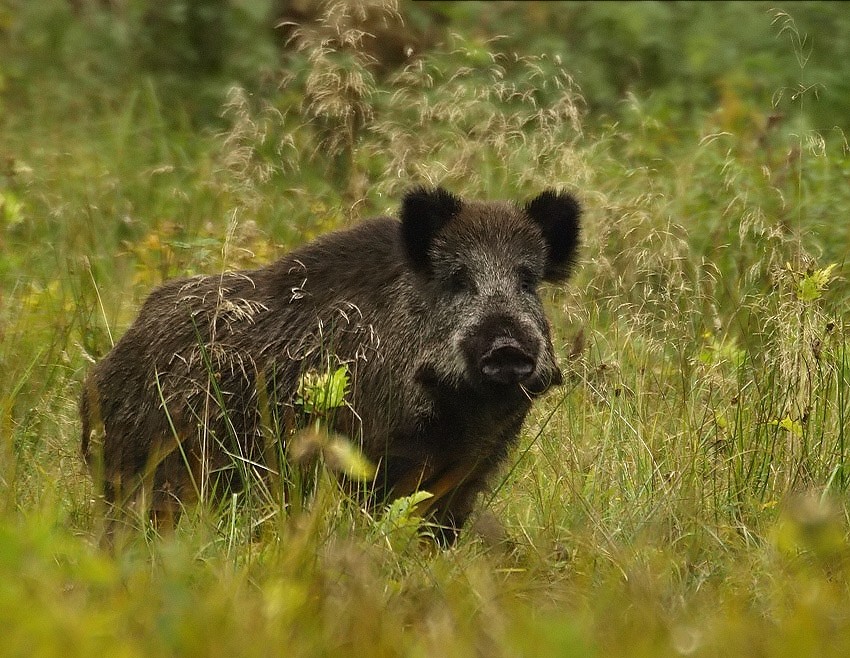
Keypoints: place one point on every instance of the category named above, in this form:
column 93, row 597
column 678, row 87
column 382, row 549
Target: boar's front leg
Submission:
column 454, row 492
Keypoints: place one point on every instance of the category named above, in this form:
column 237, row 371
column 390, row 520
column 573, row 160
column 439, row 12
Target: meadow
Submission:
column 685, row 491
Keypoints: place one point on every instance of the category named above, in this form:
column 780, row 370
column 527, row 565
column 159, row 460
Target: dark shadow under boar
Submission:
column 437, row 319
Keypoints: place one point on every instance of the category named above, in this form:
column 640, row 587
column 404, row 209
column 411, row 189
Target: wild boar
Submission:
column 436, row 317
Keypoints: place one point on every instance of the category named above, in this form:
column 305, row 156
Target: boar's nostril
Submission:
column 506, row 363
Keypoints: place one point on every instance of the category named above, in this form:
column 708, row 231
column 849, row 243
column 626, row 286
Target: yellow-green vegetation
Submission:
column 684, row 493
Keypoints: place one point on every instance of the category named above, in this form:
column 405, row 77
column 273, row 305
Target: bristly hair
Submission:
column 424, row 212
column 557, row 214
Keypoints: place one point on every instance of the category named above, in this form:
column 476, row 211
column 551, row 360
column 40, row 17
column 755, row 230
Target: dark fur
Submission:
column 437, row 318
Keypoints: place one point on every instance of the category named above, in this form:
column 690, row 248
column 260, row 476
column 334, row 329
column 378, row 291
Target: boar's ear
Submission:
column 423, row 213
column 557, row 214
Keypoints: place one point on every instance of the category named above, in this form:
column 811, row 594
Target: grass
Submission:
column 683, row 494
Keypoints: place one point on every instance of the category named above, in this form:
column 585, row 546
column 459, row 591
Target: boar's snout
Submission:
column 506, row 362
column 502, row 350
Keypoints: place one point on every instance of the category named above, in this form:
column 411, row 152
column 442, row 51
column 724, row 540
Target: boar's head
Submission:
column 478, row 267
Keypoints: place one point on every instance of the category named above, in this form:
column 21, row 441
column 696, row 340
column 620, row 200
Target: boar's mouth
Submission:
column 506, row 363
column 542, row 381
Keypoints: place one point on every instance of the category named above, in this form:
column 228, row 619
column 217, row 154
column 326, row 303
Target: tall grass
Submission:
column 683, row 493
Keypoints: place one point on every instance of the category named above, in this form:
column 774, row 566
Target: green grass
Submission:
column 685, row 492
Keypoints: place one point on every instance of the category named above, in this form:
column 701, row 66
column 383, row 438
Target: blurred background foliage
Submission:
column 682, row 60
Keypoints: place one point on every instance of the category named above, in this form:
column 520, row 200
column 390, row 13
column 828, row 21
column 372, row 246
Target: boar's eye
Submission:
column 527, row 280
column 460, row 280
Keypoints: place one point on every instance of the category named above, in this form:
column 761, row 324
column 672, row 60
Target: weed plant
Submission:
column 683, row 494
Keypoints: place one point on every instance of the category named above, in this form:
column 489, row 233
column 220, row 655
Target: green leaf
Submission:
column 401, row 523
column 811, row 285
column 792, row 426
column 319, row 393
